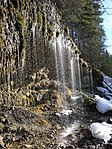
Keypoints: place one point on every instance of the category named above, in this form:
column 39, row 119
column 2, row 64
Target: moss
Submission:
column 81, row 60
column 0, row 38
column 1, row 126
column 59, row 18
column 77, row 51
column 85, row 64
column 50, row 31
column 39, row 20
column 40, row 6
column 22, row 49
column 34, row 16
column 36, row 109
column 43, row 122
column 20, row 21
column 18, row 4
column 88, row 101
column 22, row 3
column 2, row 11
column 44, row 24
column 21, row 27
column 66, row 31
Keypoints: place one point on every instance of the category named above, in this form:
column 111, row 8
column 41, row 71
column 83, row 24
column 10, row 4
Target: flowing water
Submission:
column 73, row 76
column 91, row 81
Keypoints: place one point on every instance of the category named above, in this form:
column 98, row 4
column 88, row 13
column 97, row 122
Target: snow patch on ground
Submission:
column 66, row 112
column 103, row 105
column 106, row 89
column 108, row 80
column 101, row 131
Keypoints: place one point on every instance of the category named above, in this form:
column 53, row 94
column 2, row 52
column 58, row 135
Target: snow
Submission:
column 75, row 97
column 108, row 80
column 66, row 112
column 103, row 105
column 101, row 131
column 58, row 114
column 103, row 90
column 106, row 89
column 107, row 86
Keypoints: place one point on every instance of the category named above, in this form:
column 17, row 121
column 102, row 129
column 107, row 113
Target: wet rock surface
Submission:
column 46, row 116
column 26, row 128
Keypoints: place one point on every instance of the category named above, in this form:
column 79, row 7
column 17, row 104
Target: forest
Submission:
column 84, row 19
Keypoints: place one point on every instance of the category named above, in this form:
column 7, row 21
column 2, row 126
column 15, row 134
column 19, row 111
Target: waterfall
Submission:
column 45, row 42
column 73, row 76
column 56, row 56
column 91, row 81
column 60, row 53
column 79, row 87
column 66, row 62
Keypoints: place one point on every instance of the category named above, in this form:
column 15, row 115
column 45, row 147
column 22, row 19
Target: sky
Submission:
column 108, row 24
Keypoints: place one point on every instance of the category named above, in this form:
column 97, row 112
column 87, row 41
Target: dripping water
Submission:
column 56, row 56
column 91, row 81
column 61, row 59
column 78, row 72
column 73, row 76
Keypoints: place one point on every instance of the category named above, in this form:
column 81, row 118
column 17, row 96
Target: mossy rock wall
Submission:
column 28, row 27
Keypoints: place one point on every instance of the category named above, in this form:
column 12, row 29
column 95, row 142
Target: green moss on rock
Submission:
column 0, row 38
column 49, row 31
column 1, row 126
column 18, row 4
column 44, row 23
column 21, row 28
column 2, row 11
column 39, row 20
column 66, row 31
column 85, row 64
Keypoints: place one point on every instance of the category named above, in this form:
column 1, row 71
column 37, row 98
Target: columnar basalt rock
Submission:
column 32, row 37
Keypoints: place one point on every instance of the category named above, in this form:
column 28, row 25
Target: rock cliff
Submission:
column 27, row 31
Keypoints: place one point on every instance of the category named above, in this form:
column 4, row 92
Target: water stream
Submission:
column 73, row 76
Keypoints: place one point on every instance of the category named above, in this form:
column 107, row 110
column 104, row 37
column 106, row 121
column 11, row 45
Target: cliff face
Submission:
column 22, row 38
column 32, row 37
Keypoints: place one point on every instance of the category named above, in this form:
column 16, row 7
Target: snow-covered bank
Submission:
column 103, row 105
column 101, row 130
column 106, row 88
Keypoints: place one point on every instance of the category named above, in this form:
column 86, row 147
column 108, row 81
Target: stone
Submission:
column 69, row 147
column 28, row 146
column 1, row 142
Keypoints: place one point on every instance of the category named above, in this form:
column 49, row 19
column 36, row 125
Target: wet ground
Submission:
column 51, row 129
